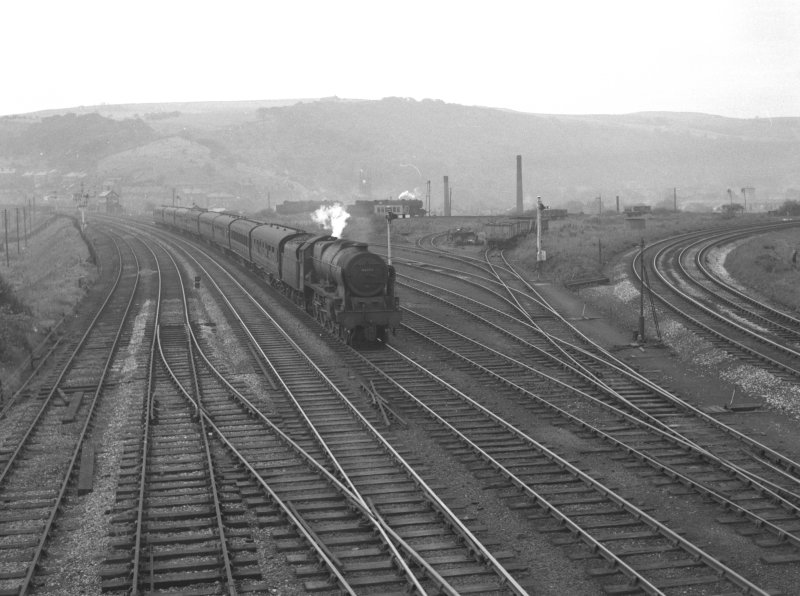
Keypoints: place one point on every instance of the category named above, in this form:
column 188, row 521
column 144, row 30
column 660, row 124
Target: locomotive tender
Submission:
column 348, row 289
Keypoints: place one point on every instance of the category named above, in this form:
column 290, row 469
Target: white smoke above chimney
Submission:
column 407, row 194
column 333, row 217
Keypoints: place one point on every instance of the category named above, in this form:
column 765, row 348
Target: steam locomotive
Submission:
column 348, row 289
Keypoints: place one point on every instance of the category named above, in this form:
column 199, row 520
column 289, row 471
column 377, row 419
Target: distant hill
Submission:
column 301, row 149
column 71, row 141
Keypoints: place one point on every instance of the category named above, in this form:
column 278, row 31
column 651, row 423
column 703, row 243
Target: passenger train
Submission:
column 345, row 287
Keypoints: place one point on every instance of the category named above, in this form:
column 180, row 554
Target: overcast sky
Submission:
column 738, row 58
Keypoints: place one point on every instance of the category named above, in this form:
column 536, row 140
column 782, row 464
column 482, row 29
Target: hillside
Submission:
column 239, row 152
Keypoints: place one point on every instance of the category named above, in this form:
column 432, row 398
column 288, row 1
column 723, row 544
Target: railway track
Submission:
column 328, row 472
column 544, row 332
column 49, row 443
column 667, row 581
column 666, row 450
column 178, row 522
column 366, row 484
column 753, row 333
column 616, row 531
column 785, row 326
column 782, row 325
column 612, row 381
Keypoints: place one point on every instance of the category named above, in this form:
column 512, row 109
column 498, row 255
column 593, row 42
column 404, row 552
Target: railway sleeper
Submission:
column 366, row 581
column 781, row 559
column 672, row 564
column 666, row 584
column 178, row 579
column 25, row 502
column 155, row 540
column 164, row 526
column 35, row 529
column 28, row 515
column 241, row 562
column 209, row 549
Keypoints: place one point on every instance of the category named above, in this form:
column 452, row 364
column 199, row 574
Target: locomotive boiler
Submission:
column 353, row 288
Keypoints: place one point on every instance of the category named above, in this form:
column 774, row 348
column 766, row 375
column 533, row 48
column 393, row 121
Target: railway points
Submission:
column 497, row 449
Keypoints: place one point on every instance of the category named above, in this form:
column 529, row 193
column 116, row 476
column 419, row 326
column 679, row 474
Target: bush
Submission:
column 14, row 329
column 791, row 208
column 9, row 300
column 15, row 321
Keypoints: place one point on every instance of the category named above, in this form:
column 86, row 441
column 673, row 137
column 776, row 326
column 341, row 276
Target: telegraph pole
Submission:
column 5, row 224
column 81, row 201
column 541, row 255
column 428, row 199
column 446, row 198
column 641, row 293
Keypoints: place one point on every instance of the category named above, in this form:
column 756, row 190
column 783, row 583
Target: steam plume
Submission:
column 333, row 217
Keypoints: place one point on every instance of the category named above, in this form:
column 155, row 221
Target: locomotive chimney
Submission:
column 446, row 198
column 519, row 185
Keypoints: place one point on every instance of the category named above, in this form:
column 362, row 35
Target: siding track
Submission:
column 44, row 455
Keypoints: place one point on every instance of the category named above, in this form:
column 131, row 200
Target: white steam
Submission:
column 333, row 217
column 407, row 194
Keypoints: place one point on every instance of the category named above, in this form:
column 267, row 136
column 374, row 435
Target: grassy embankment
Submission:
column 580, row 247
column 39, row 286
column 577, row 247
column 765, row 263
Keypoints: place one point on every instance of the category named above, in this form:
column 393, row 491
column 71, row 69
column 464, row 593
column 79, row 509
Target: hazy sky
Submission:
column 736, row 58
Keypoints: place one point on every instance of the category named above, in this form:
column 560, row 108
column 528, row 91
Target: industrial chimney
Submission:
column 519, row 185
column 446, row 198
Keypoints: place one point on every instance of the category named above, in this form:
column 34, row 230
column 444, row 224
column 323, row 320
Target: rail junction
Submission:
column 491, row 448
